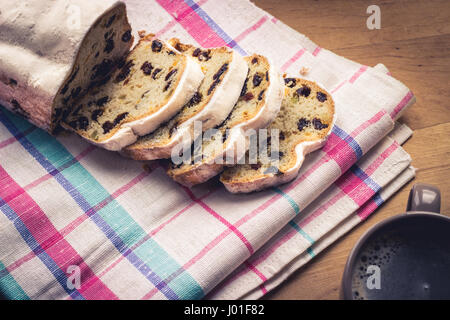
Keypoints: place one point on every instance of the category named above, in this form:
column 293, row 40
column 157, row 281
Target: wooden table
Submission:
column 414, row 43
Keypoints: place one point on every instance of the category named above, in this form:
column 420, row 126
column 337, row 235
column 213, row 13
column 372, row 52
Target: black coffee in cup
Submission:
column 406, row 259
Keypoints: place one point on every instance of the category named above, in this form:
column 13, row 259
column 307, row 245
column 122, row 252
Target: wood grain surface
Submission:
column 414, row 43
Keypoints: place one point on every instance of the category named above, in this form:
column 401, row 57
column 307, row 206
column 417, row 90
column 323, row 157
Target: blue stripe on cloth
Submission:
column 349, row 139
column 118, row 226
column 51, row 265
column 289, row 199
column 9, row 288
column 215, row 27
column 311, row 252
column 297, row 211
column 301, row 231
column 365, row 178
column 377, row 199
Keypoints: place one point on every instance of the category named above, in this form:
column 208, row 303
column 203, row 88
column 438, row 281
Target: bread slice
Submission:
column 256, row 108
column 225, row 72
column 305, row 120
column 151, row 85
column 49, row 59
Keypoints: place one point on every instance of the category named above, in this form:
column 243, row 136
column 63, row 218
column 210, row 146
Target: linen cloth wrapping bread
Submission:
column 132, row 233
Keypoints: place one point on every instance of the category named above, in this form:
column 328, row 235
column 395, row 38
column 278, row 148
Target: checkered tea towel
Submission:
column 78, row 222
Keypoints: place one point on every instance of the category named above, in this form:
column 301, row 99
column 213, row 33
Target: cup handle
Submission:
column 424, row 197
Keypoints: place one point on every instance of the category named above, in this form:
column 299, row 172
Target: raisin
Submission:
column 83, row 122
column 248, row 96
column 96, row 114
column 206, row 55
column 12, row 82
column 77, row 110
column 167, row 85
column 126, row 36
column 290, row 82
column 255, row 60
column 75, row 92
column 58, row 112
column 256, row 80
column 222, row 69
column 110, row 21
column 255, row 166
column 282, row 136
column 147, row 68
column 73, row 124
column 196, row 98
column 213, row 85
column 302, row 123
column 261, row 94
column 109, row 45
column 107, row 126
column 102, row 69
column 170, row 74
column 322, row 97
column 155, row 73
column 318, row 125
column 171, row 53
column 64, row 90
column 102, row 101
column 73, row 75
column 244, row 88
column 119, row 118
column 156, row 46
column 303, row 91
column 109, row 34
column 179, row 47
column 267, row 75
column 196, row 52
column 126, row 69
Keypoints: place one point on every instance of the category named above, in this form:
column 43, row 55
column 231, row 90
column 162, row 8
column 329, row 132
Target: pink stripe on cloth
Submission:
column 256, row 26
column 366, row 210
column 256, row 271
column 11, row 140
column 403, row 103
column 153, row 233
column 316, row 51
column 74, row 224
column 294, row 58
column 358, row 74
column 230, row 226
column 51, row 241
column 192, row 23
column 48, row 176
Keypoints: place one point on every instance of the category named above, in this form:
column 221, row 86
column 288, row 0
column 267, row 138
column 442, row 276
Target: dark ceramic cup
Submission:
column 403, row 257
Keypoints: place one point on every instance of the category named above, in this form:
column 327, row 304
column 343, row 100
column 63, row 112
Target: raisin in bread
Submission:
column 305, row 120
column 53, row 51
column 225, row 72
column 150, row 86
column 257, row 107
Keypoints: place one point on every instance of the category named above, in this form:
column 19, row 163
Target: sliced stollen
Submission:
column 256, row 108
column 49, row 57
column 151, row 85
column 304, row 123
column 225, row 72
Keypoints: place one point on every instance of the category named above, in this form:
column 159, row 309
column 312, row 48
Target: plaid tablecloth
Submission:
column 135, row 234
